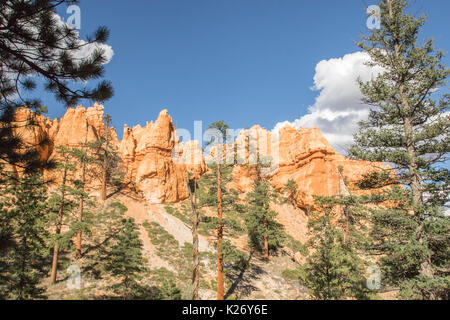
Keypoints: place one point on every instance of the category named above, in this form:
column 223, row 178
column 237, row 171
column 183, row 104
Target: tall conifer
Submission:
column 408, row 127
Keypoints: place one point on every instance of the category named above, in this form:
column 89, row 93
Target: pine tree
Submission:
column 265, row 234
column 104, row 225
column 35, row 44
column 23, row 264
column 192, row 188
column 408, row 127
column 169, row 291
column 6, row 232
column 125, row 261
column 236, row 263
column 222, row 127
column 213, row 192
column 230, row 206
column 334, row 269
column 291, row 190
column 61, row 203
column 107, row 159
column 84, row 160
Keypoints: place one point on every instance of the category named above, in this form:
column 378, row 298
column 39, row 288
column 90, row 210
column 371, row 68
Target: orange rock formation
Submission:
column 302, row 155
column 152, row 157
column 157, row 165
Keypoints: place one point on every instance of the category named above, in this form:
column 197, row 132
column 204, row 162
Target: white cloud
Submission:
column 87, row 50
column 338, row 106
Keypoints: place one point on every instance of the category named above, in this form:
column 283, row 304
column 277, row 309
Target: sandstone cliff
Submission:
column 302, row 155
column 153, row 160
column 157, row 165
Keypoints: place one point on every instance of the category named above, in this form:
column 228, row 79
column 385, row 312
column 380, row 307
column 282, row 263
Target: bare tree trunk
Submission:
column 195, row 272
column 54, row 264
column 104, row 177
column 59, row 225
column 105, row 163
column 79, row 233
column 219, row 237
column 80, row 213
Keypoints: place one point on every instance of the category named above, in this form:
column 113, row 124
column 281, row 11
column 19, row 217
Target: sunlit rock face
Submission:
column 157, row 165
column 76, row 128
column 302, row 155
column 152, row 159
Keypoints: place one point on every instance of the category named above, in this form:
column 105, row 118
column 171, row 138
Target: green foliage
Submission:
column 62, row 201
column 207, row 189
column 231, row 204
column 161, row 274
column 168, row 248
column 294, row 274
column 50, row 55
column 334, row 270
column 106, row 158
column 291, row 189
column 222, row 128
column 261, row 220
column 23, row 262
column 105, row 224
column 395, row 234
column 296, row 246
column 409, row 128
column 236, row 262
column 185, row 214
column 234, row 259
column 125, row 261
column 162, row 239
column 169, row 291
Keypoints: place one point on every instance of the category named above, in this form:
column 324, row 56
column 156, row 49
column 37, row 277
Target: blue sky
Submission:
column 243, row 61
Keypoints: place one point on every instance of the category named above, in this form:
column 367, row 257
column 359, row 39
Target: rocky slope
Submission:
column 156, row 166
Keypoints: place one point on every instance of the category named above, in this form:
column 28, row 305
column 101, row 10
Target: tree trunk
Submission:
column 105, row 163
column 80, row 212
column 59, row 225
column 79, row 233
column 347, row 231
column 195, row 272
column 104, row 177
column 22, row 263
column 219, row 237
column 266, row 242
column 54, row 264
column 415, row 182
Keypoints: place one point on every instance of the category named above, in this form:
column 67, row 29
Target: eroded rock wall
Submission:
column 156, row 165
column 152, row 158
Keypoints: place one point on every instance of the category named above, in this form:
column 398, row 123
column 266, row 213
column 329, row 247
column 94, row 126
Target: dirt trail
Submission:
column 141, row 211
column 263, row 280
column 138, row 211
column 177, row 228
